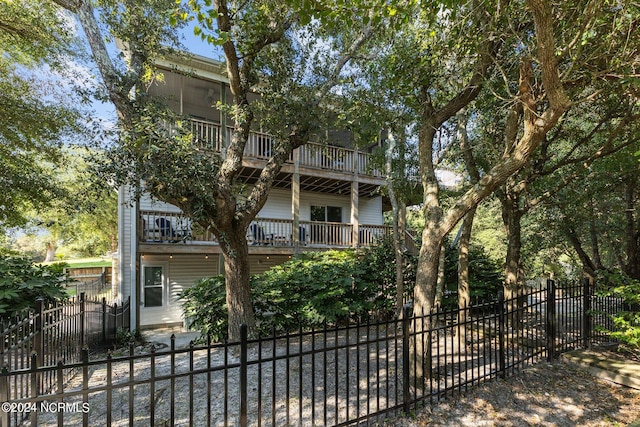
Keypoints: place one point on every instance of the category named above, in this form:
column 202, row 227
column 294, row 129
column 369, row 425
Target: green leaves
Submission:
column 627, row 320
column 205, row 308
column 39, row 112
column 306, row 291
column 22, row 283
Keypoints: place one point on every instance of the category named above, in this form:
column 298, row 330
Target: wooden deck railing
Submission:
column 207, row 135
column 172, row 227
column 369, row 235
column 326, row 233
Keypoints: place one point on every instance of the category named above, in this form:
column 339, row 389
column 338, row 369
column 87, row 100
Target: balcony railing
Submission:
column 207, row 135
column 167, row 227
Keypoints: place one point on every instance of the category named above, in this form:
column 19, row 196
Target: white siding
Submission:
column 149, row 204
column 182, row 272
column 125, row 256
column 370, row 210
column 278, row 205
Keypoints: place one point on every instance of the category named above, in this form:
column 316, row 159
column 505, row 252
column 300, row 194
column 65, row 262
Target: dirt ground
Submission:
column 557, row 394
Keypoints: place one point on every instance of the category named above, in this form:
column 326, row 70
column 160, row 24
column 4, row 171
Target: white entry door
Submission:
column 154, row 293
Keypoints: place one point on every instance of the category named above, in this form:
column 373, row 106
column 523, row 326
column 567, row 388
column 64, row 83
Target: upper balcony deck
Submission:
column 312, row 158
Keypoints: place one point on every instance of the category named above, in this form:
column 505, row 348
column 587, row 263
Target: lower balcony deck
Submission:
column 173, row 232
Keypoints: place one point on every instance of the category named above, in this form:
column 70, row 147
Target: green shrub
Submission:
column 310, row 289
column 378, row 266
column 626, row 321
column 485, row 276
column 125, row 335
column 22, row 283
column 205, row 307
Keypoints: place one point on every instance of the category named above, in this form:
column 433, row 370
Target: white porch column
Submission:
column 295, row 201
column 134, row 271
column 355, row 236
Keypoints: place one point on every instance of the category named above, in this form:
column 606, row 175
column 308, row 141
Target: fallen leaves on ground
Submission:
column 547, row 394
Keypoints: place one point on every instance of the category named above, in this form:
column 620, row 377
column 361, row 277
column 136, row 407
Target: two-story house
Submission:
column 324, row 197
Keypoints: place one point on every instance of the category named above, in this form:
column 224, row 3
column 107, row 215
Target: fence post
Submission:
column 586, row 313
column 4, row 395
column 551, row 319
column 114, row 311
column 85, row 385
column 406, row 362
column 82, row 325
column 501, row 331
column 243, row 375
column 38, row 344
column 104, row 320
column 35, row 387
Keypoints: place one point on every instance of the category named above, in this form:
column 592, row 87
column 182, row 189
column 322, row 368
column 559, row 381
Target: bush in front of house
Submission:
column 311, row 289
column 378, row 267
column 22, row 283
column 205, row 307
column 307, row 291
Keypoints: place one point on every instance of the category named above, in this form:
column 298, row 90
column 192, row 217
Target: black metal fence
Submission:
column 356, row 374
column 50, row 334
column 93, row 289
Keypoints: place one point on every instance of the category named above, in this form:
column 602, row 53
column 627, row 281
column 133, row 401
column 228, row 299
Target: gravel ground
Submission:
column 557, row 394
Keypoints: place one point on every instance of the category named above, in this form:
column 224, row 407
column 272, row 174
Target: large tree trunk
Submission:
column 440, row 284
column 235, row 251
column 511, row 217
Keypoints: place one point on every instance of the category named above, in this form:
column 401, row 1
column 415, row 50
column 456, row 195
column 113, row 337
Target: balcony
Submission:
column 207, row 135
column 158, row 227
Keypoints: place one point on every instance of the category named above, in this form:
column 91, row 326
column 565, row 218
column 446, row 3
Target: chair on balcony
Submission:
column 302, row 235
column 167, row 231
column 259, row 236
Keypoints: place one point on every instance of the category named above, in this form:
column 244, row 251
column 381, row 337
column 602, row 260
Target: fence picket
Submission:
column 491, row 341
column 551, row 319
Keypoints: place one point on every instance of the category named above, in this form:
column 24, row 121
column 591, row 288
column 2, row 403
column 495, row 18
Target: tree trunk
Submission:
column 50, row 255
column 595, row 246
column 397, row 245
column 441, row 276
column 464, row 293
column 587, row 264
column 512, row 216
column 235, row 251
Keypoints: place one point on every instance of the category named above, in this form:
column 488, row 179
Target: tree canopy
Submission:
column 40, row 110
column 544, row 88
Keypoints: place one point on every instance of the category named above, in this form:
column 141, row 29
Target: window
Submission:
column 153, row 286
column 326, row 233
column 326, row 213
